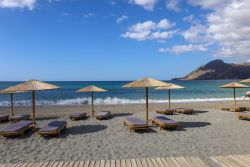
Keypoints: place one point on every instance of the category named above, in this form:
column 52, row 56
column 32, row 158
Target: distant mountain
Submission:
column 217, row 69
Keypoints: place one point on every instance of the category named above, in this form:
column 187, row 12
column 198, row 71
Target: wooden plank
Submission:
column 149, row 163
column 112, row 163
column 182, row 162
column 144, row 162
column 133, row 163
column 45, row 164
column 97, row 163
column 102, row 163
column 55, row 164
column 86, row 164
column 65, row 164
column 221, row 161
column 123, row 163
column 81, row 164
column 154, row 162
column 50, row 164
column 71, row 163
column 138, row 162
column 164, row 161
column 107, row 163
column 128, row 163
column 92, row 164
column 117, row 163
column 76, row 163
column 243, row 159
column 60, row 164
column 159, row 162
column 175, row 163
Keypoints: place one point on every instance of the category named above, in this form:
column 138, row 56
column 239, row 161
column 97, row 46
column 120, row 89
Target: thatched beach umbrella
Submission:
column 7, row 91
column 92, row 89
column 145, row 83
column 33, row 85
column 169, row 87
column 234, row 85
column 246, row 80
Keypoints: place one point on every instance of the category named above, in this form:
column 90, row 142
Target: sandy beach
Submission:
column 208, row 132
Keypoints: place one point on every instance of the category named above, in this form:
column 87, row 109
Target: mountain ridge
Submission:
column 219, row 70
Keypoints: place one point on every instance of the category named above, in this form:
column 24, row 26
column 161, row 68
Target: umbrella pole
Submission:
column 11, row 104
column 33, row 109
column 147, row 104
column 234, row 101
column 169, row 98
column 92, row 101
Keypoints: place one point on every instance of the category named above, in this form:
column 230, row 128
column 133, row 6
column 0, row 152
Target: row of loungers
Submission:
column 19, row 128
column 50, row 129
column 100, row 115
column 170, row 111
column 16, row 118
column 163, row 122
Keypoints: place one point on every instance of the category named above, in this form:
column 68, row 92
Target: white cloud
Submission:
column 180, row 49
column 87, row 15
column 146, row 4
column 30, row 4
column 210, row 4
column 150, row 30
column 65, row 14
column 122, row 18
column 189, row 18
column 173, row 5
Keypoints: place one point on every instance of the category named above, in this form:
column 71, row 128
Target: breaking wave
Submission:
column 109, row 100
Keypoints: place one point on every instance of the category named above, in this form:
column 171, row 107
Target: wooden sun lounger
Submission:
column 244, row 115
column 16, row 129
column 165, row 123
column 78, row 116
column 238, row 109
column 103, row 115
column 4, row 118
column 184, row 110
column 20, row 117
column 53, row 128
column 168, row 111
column 135, row 123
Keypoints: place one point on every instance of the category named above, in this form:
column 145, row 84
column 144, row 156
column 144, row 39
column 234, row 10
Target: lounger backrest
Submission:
column 53, row 125
column 135, row 120
column 16, row 126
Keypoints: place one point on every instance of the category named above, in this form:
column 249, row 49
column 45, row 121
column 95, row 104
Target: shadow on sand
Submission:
column 120, row 114
column 47, row 118
column 194, row 124
column 199, row 112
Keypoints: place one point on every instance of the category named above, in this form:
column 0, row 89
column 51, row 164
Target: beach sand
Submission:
column 208, row 132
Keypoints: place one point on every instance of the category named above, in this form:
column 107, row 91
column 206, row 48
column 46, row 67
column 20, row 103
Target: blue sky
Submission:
column 118, row 39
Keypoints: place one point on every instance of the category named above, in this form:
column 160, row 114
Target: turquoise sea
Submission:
column 66, row 95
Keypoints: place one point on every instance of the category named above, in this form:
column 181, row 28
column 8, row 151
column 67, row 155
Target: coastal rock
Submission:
column 219, row 70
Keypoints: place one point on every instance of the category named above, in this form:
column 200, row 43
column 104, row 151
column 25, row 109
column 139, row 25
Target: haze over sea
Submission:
column 66, row 95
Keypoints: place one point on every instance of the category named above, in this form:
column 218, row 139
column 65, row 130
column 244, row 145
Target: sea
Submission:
column 194, row 91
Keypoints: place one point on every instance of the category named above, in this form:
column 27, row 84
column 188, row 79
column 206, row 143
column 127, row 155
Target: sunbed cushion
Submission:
column 20, row 116
column 103, row 114
column 53, row 126
column 245, row 114
column 78, row 115
column 136, row 121
column 16, row 126
column 4, row 117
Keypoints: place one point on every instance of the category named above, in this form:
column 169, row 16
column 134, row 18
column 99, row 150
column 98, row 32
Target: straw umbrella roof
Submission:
column 91, row 88
column 7, row 91
column 234, row 85
column 145, row 82
column 170, row 86
column 245, row 80
column 30, row 86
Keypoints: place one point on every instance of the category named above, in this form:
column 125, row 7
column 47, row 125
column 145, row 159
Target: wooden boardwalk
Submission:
column 150, row 162
column 232, row 160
